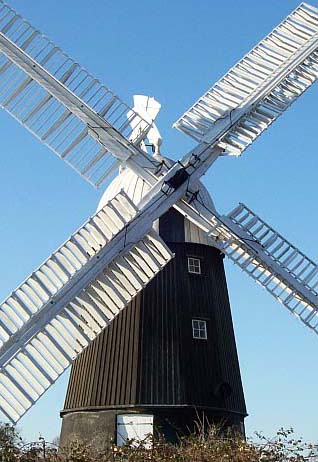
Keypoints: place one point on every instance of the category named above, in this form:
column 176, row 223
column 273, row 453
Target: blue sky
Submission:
column 174, row 50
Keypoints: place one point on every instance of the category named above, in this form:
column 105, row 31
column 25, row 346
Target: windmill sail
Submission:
column 61, row 308
column 70, row 298
column 259, row 88
column 63, row 105
column 273, row 262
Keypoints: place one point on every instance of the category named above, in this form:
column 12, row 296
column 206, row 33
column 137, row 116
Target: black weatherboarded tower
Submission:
column 170, row 357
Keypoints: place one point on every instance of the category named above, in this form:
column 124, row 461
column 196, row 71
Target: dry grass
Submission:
column 204, row 446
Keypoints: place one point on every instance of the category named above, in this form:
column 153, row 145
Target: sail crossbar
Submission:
column 259, row 88
column 271, row 260
column 49, row 93
column 63, row 305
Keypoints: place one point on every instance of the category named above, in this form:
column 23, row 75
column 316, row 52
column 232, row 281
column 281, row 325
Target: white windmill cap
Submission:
column 136, row 188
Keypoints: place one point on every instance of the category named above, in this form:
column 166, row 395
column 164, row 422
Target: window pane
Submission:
column 199, row 329
column 194, row 265
column 195, row 324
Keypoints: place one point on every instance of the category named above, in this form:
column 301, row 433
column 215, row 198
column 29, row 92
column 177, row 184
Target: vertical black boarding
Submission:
column 147, row 360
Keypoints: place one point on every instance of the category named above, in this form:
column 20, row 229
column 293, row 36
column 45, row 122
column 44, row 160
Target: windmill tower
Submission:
column 121, row 257
column 170, row 358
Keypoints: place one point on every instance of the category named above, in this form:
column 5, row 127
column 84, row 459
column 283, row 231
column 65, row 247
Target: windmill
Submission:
column 70, row 299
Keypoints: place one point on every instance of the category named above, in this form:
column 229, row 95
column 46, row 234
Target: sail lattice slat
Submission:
column 277, row 247
column 245, row 100
column 47, row 118
column 238, row 138
column 60, row 309
column 273, row 262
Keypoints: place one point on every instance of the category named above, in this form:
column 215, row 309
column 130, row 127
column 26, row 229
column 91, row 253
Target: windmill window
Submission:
column 194, row 265
column 199, row 329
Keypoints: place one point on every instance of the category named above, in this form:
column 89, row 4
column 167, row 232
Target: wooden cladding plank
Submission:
column 160, row 364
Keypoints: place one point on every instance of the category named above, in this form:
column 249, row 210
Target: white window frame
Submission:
column 199, row 329
column 194, row 265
